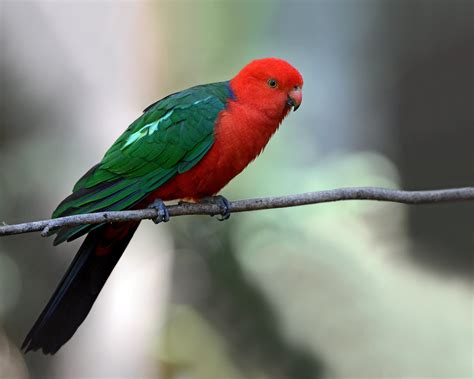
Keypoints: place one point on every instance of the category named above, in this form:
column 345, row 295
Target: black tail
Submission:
column 75, row 295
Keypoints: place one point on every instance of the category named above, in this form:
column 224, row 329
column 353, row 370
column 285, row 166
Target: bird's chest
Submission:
column 234, row 148
column 238, row 141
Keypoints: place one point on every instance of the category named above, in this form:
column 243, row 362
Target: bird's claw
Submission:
column 222, row 203
column 163, row 214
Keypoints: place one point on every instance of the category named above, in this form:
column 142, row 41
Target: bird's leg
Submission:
column 222, row 203
column 160, row 207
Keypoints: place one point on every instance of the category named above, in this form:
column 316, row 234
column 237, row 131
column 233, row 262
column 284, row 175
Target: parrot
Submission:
column 187, row 147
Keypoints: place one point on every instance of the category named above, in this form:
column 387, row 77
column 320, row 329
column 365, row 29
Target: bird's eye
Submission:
column 272, row 83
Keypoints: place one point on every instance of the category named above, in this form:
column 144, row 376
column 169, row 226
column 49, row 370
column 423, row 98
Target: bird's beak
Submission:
column 295, row 96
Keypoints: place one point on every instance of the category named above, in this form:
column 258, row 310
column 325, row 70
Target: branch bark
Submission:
column 183, row 209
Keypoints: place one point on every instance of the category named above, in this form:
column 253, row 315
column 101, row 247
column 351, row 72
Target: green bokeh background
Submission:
column 344, row 290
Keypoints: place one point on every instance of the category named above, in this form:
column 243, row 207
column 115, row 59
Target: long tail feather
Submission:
column 79, row 288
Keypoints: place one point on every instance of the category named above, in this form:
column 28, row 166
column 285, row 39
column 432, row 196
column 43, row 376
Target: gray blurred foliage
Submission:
column 209, row 278
column 26, row 276
column 435, row 125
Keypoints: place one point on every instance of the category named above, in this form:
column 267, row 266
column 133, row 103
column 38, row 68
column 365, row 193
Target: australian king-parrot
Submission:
column 188, row 145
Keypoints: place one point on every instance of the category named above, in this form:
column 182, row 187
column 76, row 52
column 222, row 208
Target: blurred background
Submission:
column 352, row 289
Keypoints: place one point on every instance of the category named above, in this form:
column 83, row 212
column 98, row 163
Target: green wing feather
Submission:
column 170, row 137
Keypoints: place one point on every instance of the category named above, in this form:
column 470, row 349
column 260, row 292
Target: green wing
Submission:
column 170, row 137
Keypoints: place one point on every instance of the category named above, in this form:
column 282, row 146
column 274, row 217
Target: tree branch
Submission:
column 183, row 209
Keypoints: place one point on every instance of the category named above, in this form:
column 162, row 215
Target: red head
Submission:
column 270, row 85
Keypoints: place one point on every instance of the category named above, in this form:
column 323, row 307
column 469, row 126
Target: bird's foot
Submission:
column 163, row 214
column 222, row 203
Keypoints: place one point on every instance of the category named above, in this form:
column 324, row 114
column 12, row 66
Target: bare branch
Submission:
column 183, row 209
